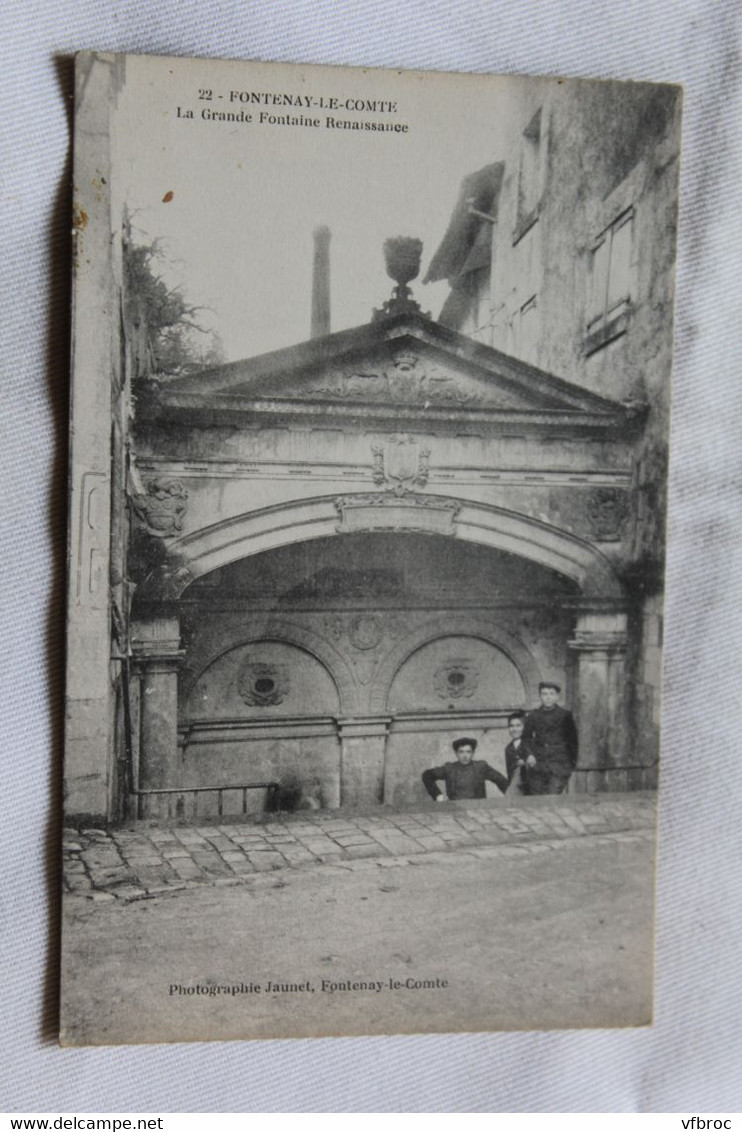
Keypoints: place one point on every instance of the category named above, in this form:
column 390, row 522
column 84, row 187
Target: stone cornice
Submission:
column 223, row 411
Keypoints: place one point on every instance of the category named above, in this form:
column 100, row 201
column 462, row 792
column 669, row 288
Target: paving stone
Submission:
column 479, row 816
column 155, row 889
column 79, row 882
column 239, row 867
column 298, row 856
column 102, row 855
column 102, row 897
column 186, row 868
column 221, row 843
column 467, row 823
column 109, row 877
column 481, row 837
column 323, row 846
column 395, row 841
column 573, row 822
column 266, row 862
column 142, row 860
column 153, row 878
column 346, row 839
column 174, row 854
column 429, row 841
column 441, row 858
column 72, row 847
column 371, row 850
column 129, row 892
column 392, row 862
column 232, row 855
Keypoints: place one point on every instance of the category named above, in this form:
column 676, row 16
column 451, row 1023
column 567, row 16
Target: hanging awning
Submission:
column 468, row 239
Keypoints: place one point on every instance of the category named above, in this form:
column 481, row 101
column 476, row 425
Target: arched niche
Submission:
column 456, row 672
column 263, row 678
column 264, row 711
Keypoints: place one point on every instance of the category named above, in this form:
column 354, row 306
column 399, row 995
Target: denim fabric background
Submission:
column 692, row 1058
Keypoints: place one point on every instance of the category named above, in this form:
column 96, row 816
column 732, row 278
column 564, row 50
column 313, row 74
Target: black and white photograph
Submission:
column 370, row 401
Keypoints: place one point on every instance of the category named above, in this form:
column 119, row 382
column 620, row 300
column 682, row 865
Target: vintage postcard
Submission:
column 370, row 396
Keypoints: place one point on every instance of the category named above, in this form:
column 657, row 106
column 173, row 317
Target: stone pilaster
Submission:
column 363, row 749
column 158, row 656
column 599, row 642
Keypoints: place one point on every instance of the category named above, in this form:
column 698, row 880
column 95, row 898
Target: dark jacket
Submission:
column 463, row 781
column 512, row 754
column 551, row 735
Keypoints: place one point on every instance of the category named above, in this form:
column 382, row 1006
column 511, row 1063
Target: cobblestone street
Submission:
column 477, row 915
column 145, row 860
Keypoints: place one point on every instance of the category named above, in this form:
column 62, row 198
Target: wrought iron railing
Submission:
column 176, row 799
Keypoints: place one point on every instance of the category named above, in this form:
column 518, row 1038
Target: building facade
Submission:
column 328, row 561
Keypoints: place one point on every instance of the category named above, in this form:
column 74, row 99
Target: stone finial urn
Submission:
column 402, row 257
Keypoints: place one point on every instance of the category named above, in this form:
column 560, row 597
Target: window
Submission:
column 528, row 331
column 523, row 328
column 529, row 177
column 610, row 283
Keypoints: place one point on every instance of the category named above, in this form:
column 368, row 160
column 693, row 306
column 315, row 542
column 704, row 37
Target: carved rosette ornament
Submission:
column 365, row 631
column 607, row 511
column 456, row 680
column 401, row 464
column 263, row 685
column 161, row 508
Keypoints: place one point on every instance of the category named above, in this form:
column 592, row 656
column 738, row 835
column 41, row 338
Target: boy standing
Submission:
column 518, row 759
column 551, row 735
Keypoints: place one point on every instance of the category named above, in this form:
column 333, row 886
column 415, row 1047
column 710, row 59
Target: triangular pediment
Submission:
column 406, row 364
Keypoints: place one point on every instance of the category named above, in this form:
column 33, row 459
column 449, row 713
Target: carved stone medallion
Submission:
column 456, row 679
column 365, row 631
column 263, row 685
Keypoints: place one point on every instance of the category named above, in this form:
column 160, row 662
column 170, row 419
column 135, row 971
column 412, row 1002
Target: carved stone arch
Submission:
column 461, row 625
column 285, row 632
column 225, row 542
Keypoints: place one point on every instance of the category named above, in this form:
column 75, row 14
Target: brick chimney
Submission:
column 321, row 283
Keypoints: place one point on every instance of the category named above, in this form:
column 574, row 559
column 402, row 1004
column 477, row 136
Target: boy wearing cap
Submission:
column 551, row 735
column 465, row 778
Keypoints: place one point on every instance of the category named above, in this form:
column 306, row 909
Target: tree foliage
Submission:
column 162, row 319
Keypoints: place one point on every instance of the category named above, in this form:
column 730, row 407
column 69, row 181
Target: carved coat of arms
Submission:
column 607, row 511
column 162, row 507
column 401, row 463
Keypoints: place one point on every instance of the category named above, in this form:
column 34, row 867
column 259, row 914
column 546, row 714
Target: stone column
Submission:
column 362, row 754
column 600, row 641
column 158, row 656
